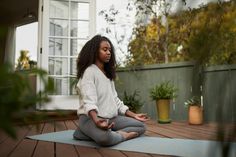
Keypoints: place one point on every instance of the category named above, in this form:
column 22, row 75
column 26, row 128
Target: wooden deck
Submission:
column 31, row 148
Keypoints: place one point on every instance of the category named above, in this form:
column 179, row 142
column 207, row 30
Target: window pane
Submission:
column 61, row 86
column 80, row 11
column 58, row 46
column 59, row 9
column 58, row 66
column 73, row 66
column 73, row 83
column 75, row 46
column 58, row 27
column 79, row 29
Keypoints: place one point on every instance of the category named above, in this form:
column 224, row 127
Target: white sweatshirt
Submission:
column 97, row 92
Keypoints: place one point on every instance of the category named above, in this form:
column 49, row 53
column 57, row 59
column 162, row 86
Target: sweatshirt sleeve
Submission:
column 121, row 107
column 88, row 91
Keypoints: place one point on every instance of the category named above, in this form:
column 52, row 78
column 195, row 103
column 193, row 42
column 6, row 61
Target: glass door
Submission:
column 66, row 26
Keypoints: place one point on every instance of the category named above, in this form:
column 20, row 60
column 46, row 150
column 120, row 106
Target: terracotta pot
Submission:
column 195, row 115
column 163, row 110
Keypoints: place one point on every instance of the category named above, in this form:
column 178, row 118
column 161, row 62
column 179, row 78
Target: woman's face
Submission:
column 104, row 52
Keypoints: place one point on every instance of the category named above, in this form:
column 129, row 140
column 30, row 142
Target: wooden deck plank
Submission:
column 173, row 131
column 62, row 149
column 27, row 146
column 45, row 148
column 189, row 133
column 211, row 129
column 10, row 144
column 110, row 152
column 132, row 154
column 3, row 136
column 76, row 121
column 154, row 134
column 156, row 155
column 204, row 128
column 70, row 125
column 88, row 152
column 165, row 132
column 208, row 129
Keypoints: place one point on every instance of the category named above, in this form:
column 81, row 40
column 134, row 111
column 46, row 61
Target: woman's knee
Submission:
column 79, row 135
column 143, row 129
column 138, row 123
column 108, row 139
column 140, row 129
column 103, row 141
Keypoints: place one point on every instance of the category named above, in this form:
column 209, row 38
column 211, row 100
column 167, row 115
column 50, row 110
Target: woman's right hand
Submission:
column 103, row 124
column 99, row 122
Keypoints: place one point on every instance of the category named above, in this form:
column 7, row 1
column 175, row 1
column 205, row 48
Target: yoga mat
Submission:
column 144, row 144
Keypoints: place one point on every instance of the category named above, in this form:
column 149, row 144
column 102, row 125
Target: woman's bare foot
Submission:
column 128, row 135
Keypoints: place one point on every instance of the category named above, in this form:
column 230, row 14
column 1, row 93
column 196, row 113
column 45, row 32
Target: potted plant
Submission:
column 195, row 110
column 162, row 94
column 132, row 101
column 18, row 97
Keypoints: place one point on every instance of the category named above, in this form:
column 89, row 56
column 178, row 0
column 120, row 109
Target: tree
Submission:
column 23, row 60
column 117, row 29
column 209, row 36
column 146, row 47
column 158, row 10
column 206, row 35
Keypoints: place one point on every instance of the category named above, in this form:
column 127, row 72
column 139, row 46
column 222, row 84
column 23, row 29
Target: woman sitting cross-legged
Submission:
column 103, row 117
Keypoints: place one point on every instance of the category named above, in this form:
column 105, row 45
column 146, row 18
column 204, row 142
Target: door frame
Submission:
column 62, row 102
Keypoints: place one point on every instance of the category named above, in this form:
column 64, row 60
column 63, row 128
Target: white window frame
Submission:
column 64, row 102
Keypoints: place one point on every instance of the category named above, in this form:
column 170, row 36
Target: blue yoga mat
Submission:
column 144, row 144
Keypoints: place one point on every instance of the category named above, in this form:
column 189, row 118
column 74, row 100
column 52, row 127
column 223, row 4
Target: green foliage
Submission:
column 214, row 41
column 206, row 35
column 148, row 45
column 17, row 96
column 23, row 60
column 164, row 90
column 194, row 101
column 132, row 101
column 117, row 20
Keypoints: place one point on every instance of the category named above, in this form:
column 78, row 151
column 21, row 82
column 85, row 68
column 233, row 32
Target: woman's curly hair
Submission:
column 89, row 54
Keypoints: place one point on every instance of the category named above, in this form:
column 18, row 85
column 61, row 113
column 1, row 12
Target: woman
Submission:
column 102, row 116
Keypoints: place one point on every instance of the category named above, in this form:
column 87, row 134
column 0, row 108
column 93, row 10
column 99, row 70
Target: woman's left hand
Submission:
column 141, row 117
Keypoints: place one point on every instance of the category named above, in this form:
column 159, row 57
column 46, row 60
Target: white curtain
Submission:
column 10, row 46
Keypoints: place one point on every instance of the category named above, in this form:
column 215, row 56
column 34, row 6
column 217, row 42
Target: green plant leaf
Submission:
column 194, row 101
column 132, row 101
column 164, row 90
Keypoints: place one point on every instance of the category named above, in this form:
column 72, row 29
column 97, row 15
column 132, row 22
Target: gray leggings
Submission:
column 89, row 131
